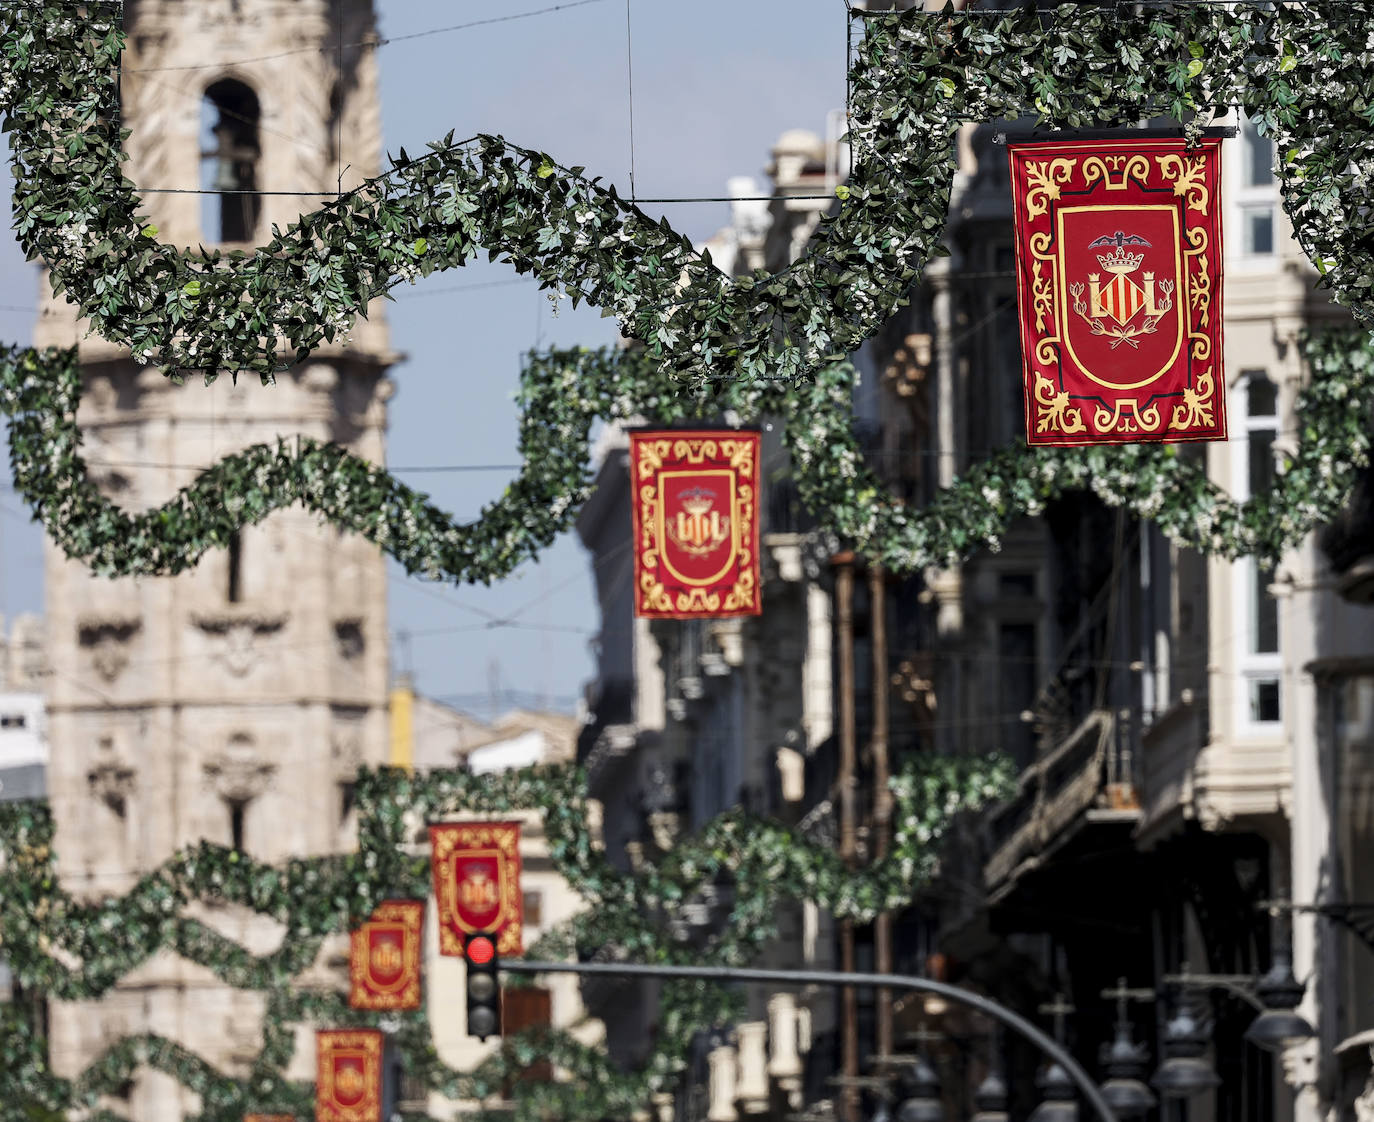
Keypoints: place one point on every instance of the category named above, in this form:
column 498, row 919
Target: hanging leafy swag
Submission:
column 1302, row 71
column 564, row 392
column 74, row 951
column 711, row 343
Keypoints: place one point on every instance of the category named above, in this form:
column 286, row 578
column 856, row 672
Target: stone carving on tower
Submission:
column 221, row 704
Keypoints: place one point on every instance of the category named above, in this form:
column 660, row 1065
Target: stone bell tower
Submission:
column 235, row 702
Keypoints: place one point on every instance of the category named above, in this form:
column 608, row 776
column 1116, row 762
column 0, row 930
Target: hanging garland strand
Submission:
column 261, row 312
column 564, row 392
column 1303, row 73
column 78, row 952
column 1155, row 482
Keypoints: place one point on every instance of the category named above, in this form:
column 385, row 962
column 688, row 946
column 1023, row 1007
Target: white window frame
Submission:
column 1251, row 666
column 1242, row 199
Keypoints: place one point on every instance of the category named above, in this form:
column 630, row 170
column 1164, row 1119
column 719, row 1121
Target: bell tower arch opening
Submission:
column 229, row 156
column 259, row 674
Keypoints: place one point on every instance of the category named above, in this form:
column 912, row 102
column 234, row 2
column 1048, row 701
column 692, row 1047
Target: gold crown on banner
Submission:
column 697, row 501
column 1121, row 261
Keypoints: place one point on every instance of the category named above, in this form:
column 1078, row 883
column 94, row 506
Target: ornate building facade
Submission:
column 233, row 703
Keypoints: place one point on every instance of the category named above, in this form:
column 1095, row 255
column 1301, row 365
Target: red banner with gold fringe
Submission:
column 384, row 958
column 476, row 868
column 696, row 526
column 348, row 1085
column 1119, row 281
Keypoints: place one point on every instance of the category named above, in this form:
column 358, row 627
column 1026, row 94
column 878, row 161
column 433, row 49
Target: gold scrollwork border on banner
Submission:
column 1046, row 177
column 651, row 453
column 744, row 592
column 1055, row 410
column 649, row 460
column 1044, row 295
column 446, row 840
column 1199, row 292
column 1127, row 416
column 654, row 595
column 1126, row 167
column 695, row 451
column 1198, row 406
column 1189, row 178
column 694, row 600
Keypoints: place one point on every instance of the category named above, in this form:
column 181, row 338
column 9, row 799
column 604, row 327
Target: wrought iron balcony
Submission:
column 1065, row 787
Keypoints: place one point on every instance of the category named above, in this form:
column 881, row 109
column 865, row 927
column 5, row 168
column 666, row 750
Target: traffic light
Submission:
column 484, row 987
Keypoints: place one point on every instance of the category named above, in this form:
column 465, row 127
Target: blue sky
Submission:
column 715, row 83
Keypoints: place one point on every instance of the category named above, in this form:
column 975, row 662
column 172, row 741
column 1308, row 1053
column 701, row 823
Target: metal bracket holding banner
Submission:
column 956, row 994
column 1225, row 132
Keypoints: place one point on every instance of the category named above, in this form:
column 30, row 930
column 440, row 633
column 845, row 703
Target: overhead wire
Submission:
column 630, row 83
column 378, row 42
column 457, row 468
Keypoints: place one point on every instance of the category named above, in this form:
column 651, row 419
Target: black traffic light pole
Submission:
column 959, row 996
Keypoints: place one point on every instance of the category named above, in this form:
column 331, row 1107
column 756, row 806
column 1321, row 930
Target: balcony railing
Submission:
column 785, row 512
column 1052, row 793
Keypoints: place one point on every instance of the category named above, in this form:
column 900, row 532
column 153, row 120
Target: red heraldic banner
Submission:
column 696, row 526
column 348, row 1085
column 1118, row 274
column 384, row 958
column 476, row 868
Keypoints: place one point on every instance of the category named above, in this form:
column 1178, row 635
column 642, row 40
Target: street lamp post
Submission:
column 956, row 994
column 1056, row 1089
column 1125, row 1060
column 1184, row 1073
column 1274, row 995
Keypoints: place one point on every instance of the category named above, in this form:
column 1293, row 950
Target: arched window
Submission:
column 229, row 161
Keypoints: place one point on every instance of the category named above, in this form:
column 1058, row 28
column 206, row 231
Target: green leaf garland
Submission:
column 564, row 392
column 42, row 928
column 1302, row 72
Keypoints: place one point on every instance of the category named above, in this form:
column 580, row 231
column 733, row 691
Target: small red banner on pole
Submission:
column 476, row 868
column 348, row 1084
column 384, row 958
column 696, row 525
column 1119, row 281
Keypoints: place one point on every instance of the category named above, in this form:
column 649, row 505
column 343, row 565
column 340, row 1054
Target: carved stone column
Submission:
column 722, row 1085
column 752, row 1091
column 784, row 1059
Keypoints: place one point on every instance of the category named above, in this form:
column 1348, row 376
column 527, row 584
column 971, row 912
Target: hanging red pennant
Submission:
column 696, row 527
column 348, row 1085
column 384, row 958
column 1119, row 280
column 476, row 867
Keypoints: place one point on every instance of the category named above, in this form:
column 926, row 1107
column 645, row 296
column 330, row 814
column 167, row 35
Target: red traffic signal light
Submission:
column 483, row 986
column 480, row 950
